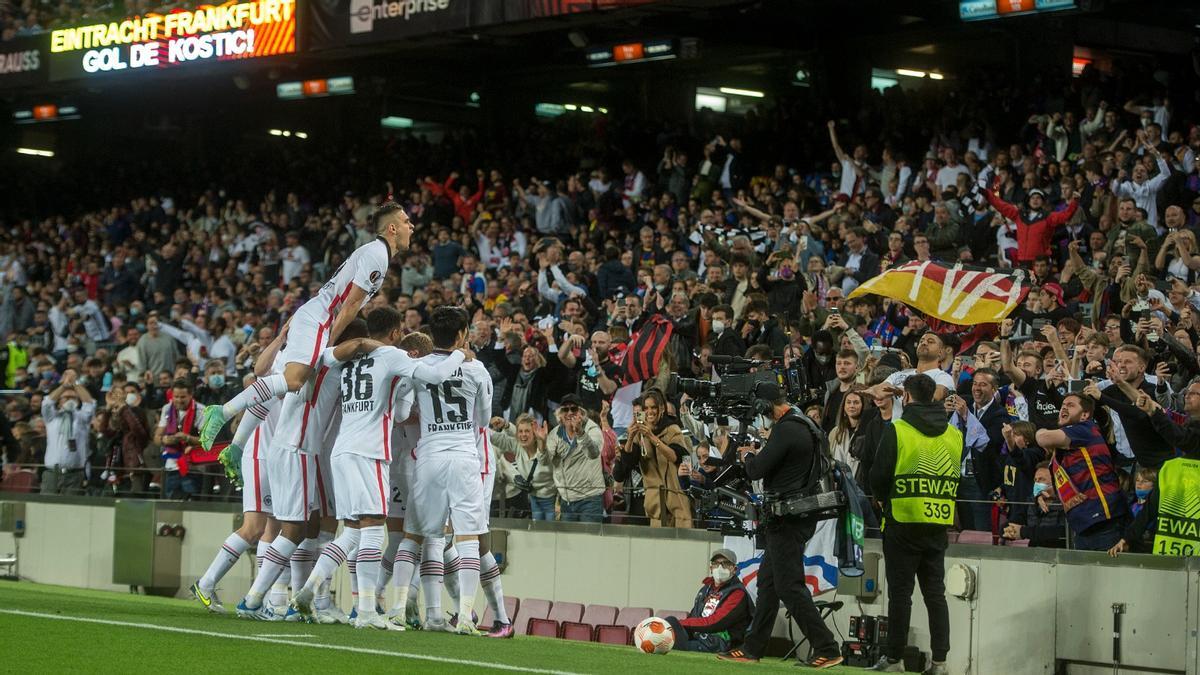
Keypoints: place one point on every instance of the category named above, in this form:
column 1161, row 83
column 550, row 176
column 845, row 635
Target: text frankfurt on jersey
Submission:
column 358, row 406
column 450, row 426
column 926, row 486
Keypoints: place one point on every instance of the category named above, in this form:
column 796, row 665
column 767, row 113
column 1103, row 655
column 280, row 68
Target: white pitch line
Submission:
column 251, row 638
column 283, row 635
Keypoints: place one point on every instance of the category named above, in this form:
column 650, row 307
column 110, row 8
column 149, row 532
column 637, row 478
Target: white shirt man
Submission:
column 294, row 257
column 67, row 420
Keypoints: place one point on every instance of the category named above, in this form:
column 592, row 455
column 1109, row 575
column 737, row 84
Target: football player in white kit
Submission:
column 250, row 470
column 405, row 434
column 448, row 482
column 293, row 465
column 371, row 371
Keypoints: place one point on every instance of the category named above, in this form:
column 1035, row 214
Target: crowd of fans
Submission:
column 22, row 18
column 742, row 246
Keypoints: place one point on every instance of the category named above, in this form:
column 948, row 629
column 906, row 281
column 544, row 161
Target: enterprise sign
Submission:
column 207, row 33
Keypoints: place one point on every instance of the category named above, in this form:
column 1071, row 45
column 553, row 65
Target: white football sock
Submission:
column 332, row 556
column 451, row 561
column 303, row 559
column 387, row 565
column 226, row 558
column 489, row 577
column 403, row 568
column 468, row 577
column 370, row 553
column 260, row 391
column 431, row 577
column 274, row 561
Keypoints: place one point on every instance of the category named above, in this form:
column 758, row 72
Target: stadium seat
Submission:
column 585, row 628
column 952, row 536
column 577, row 631
column 561, row 613
column 566, row 611
column 531, row 608
column 977, row 537
column 1019, row 543
column 20, row 481
column 511, row 605
column 543, row 628
column 664, row 613
column 613, row 635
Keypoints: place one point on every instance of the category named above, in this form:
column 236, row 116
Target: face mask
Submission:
column 1142, row 494
column 70, row 405
column 134, row 311
column 765, row 422
column 721, row 574
column 1039, row 488
column 216, row 381
column 822, row 358
column 786, row 273
column 661, row 288
column 718, row 326
column 131, row 399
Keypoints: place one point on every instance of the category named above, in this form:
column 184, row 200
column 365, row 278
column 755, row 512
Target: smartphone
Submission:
column 834, row 310
column 640, row 418
column 1076, row 386
column 967, row 361
column 1039, row 324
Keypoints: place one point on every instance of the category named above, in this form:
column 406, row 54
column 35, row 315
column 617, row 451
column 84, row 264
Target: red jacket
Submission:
column 464, row 208
column 1033, row 239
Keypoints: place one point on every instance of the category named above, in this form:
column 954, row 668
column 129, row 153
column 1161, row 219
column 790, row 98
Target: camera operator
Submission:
column 916, row 473
column 785, row 465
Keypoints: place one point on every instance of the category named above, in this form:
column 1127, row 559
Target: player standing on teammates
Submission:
column 292, row 466
column 320, row 321
column 448, row 480
column 371, row 371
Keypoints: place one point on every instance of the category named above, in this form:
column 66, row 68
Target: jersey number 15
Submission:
column 444, row 396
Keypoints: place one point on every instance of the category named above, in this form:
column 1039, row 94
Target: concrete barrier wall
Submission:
column 1032, row 609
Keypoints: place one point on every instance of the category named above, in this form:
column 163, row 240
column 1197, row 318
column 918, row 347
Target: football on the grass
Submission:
column 654, row 636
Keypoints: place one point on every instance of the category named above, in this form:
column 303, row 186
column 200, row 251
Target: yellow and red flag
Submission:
column 959, row 295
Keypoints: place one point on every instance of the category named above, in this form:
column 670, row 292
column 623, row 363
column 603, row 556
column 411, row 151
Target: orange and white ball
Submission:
column 654, row 636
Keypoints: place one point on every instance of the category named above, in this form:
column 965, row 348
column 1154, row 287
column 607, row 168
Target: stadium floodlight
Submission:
column 275, row 132
column 603, row 111
column 570, row 106
column 548, row 109
column 35, row 152
column 301, row 134
column 733, row 91
column 936, row 76
column 394, row 122
column 587, row 108
column 910, row 73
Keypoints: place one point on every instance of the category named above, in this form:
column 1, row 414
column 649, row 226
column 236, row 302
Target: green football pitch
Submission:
column 57, row 629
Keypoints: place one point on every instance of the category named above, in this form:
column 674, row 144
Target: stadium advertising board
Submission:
column 203, row 34
column 979, row 10
column 336, row 23
column 22, row 62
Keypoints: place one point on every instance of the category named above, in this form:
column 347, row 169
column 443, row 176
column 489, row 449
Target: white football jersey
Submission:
column 322, row 410
column 368, row 397
column 365, row 268
column 453, row 412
